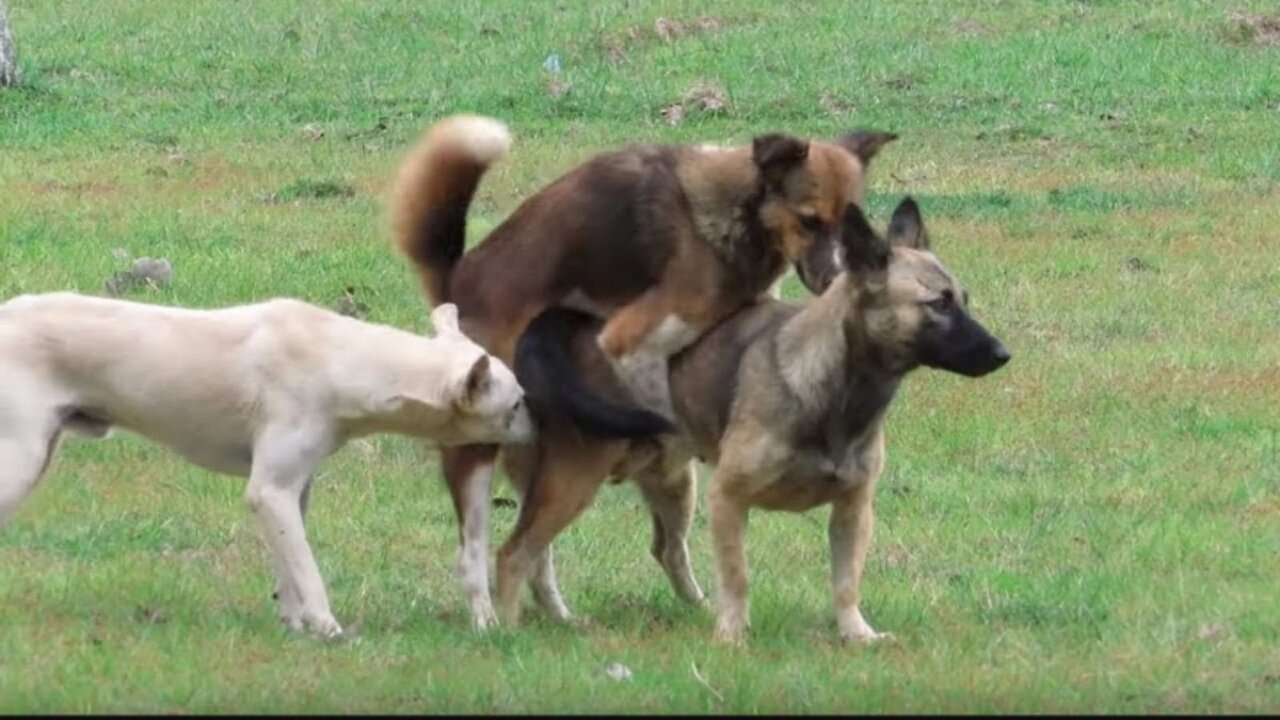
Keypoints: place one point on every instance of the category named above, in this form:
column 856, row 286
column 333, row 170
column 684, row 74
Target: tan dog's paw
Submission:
column 730, row 631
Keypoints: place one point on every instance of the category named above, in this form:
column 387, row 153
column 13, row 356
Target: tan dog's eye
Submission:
column 942, row 303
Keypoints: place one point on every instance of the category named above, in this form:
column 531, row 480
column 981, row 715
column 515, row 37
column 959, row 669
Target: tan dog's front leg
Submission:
column 852, row 520
column 728, row 530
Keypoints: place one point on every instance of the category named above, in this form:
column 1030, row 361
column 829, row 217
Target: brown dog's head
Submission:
column 910, row 308
column 807, row 186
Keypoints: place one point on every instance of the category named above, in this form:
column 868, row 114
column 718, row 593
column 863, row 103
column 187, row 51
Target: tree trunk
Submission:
column 8, row 65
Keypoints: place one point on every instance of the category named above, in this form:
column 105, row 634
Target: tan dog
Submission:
column 661, row 241
column 788, row 402
column 265, row 391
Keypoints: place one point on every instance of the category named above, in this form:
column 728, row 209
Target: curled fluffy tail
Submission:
column 552, row 383
column 433, row 192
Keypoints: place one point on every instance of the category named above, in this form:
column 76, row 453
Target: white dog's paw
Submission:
column 325, row 627
column 292, row 619
column 868, row 636
column 483, row 618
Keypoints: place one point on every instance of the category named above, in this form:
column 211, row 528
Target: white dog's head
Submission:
column 487, row 400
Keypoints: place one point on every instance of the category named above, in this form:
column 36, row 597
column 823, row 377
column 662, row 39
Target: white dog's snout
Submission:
column 521, row 429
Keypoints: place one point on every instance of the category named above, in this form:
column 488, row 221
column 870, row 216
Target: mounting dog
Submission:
column 660, row 241
column 788, row 402
column 266, row 391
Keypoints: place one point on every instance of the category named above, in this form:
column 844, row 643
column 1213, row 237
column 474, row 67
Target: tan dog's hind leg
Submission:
column 468, row 470
column 728, row 534
column 672, row 500
column 545, row 589
column 849, row 532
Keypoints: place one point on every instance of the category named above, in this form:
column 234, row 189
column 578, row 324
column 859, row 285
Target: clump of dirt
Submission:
column 702, row 96
column 1253, row 29
column 145, row 272
column 666, row 30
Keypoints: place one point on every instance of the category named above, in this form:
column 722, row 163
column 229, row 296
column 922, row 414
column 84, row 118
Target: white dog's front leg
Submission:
column 279, row 478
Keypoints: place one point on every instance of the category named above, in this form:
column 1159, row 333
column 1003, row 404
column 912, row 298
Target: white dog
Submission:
column 264, row 391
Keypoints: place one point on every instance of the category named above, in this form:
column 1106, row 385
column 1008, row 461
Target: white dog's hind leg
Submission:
column 28, row 433
column 22, row 461
column 281, row 472
column 286, row 593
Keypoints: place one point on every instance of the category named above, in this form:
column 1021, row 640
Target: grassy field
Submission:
column 1095, row 528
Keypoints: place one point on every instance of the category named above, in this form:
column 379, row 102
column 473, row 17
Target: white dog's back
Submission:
column 201, row 381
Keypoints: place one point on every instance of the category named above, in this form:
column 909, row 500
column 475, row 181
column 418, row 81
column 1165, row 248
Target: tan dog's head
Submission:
column 485, row 402
column 908, row 307
column 807, row 185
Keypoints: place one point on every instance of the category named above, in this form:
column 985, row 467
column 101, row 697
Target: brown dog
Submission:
column 787, row 402
column 661, row 241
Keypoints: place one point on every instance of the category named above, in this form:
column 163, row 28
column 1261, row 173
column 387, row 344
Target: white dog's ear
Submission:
column 477, row 382
column 445, row 319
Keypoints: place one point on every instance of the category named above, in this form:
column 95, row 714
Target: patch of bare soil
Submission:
column 1253, row 29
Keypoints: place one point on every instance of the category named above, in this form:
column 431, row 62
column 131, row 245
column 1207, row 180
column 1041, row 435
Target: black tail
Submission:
column 553, row 385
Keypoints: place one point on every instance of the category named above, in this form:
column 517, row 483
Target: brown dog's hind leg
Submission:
column 521, row 463
column 468, row 471
column 563, row 488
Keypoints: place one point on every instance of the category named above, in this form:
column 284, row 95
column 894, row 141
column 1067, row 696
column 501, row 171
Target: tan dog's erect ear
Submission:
column 865, row 252
column 477, row 382
column 445, row 319
column 864, row 144
column 906, row 229
column 776, row 155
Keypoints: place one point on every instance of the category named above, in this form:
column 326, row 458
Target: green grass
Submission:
column 1095, row 528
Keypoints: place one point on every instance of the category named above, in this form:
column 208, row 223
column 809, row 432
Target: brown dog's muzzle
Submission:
column 819, row 265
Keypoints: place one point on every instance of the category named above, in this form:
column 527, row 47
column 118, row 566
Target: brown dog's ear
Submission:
column 776, row 155
column 478, row 379
column 864, row 144
column 906, row 229
column 864, row 249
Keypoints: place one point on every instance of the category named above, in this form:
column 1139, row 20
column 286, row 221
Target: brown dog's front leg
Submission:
column 638, row 340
